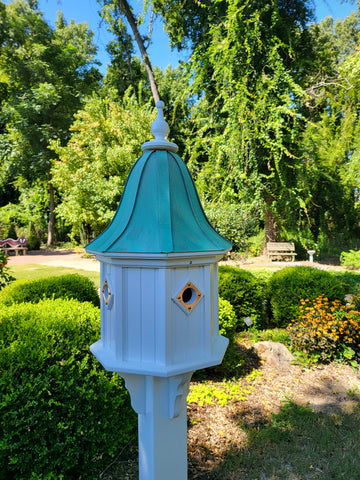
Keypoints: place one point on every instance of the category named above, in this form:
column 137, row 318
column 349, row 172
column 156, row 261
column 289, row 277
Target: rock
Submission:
column 274, row 353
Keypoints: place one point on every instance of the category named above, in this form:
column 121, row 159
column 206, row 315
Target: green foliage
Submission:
column 350, row 259
column 73, row 286
column 11, row 233
column 243, row 291
column 330, row 140
column 45, row 72
column 233, row 222
column 227, row 327
column 280, row 335
column 248, row 151
column 220, row 393
column 327, row 329
column 288, row 286
column 256, row 244
column 33, row 239
column 93, row 167
column 350, row 280
column 61, row 415
column 5, row 277
column 125, row 67
column 227, row 319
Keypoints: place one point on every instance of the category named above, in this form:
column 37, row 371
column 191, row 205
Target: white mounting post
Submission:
column 160, row 403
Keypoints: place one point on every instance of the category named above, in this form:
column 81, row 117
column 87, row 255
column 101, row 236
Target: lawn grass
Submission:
column 33, row 271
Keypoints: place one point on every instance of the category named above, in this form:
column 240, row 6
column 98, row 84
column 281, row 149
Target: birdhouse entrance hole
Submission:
column 188, row 296
column 106, row 293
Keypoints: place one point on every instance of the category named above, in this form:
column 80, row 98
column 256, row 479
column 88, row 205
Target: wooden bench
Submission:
column 14, row 245
column 281, row 249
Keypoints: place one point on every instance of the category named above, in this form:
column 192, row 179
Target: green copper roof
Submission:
column 159, row 212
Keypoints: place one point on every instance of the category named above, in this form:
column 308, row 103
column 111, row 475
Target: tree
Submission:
column 125, row 68
column 112, row 12
column 248, row 61
column 46, row 72
column 92, row 168
column 330, row 144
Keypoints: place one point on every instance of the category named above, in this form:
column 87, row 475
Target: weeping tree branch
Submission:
column 126, row 10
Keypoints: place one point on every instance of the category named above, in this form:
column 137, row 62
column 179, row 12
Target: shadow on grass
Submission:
column 295, row 444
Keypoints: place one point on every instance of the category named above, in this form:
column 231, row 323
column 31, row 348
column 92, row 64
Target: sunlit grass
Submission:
column 32, row 271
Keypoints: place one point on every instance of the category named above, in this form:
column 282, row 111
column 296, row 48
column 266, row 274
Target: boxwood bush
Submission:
column 243, row 290
column 62, row 415
column 227, row 319
column 227, row 328
column 74, row 286
column 288, row 286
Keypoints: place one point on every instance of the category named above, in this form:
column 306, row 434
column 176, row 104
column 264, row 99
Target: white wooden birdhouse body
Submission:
column 159, row 315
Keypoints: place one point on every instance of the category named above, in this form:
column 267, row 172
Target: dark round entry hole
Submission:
column 188, row 296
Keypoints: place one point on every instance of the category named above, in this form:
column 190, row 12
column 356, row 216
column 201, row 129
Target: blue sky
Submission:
column 159, row 51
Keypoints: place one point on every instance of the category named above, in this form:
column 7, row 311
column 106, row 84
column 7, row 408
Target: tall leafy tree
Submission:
column 46, row 73
column 90, row 174
column 331, row 139
column 249, row 59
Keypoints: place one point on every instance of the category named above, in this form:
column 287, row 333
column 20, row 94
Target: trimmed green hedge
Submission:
column 243, row 290
column 227, row 319
column 227, row 327
column 74, row 286
column 61, row 414
column 288, row 286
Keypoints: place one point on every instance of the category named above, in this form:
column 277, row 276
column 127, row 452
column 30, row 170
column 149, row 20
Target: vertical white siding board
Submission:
column 133, row 314
column 214, row 292
column 207, row 309
column 125, row 314
column 104, row 323
column 148, row 298
column 161, row 313
column 117, row 318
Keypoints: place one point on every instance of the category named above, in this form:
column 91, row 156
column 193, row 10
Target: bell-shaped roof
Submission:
column 160, row 210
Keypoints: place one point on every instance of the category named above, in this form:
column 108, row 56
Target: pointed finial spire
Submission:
column 160, row 129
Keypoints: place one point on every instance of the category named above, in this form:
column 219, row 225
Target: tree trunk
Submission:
column 51, row 236
column 271, row 221
column 125, row 8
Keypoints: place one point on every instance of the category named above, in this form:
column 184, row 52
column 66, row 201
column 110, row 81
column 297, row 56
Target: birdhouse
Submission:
column 159, row 299
column 158, row 256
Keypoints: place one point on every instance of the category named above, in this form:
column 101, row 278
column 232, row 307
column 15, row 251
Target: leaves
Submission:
column 93, row 167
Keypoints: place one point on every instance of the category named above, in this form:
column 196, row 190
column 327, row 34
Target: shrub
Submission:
column 349, row 280
column 227, row 319
column 288, row 286
column 327, row 329
column 233, row 222
column 61, row 414
column 74, row 286
column 33, row 239
column 5, row 277
column 350, row 259
column 242, row 290
column 11, row 233
column 256, row 244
